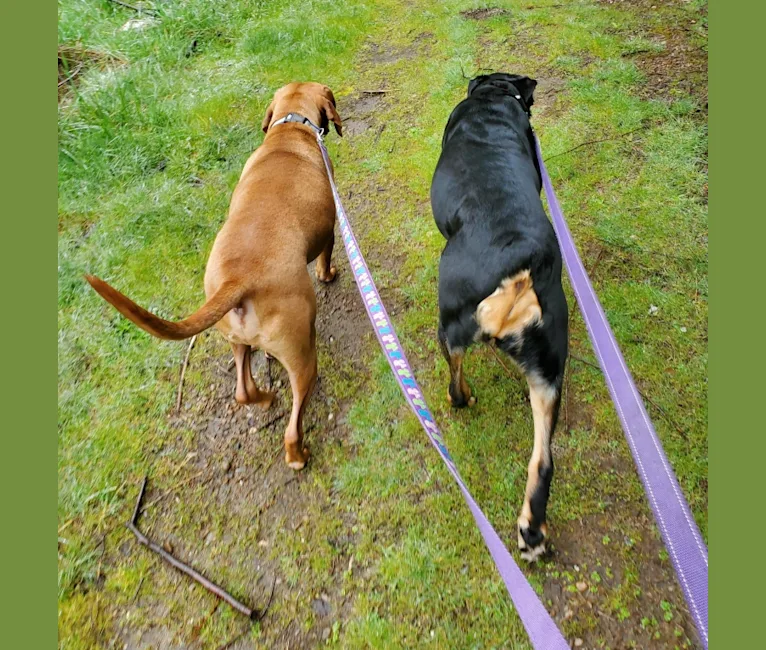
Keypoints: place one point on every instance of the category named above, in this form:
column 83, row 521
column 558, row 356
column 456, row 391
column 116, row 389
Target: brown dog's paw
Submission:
column 327, row 277
column 262, row 399
column 297, row 461
column 265, row 401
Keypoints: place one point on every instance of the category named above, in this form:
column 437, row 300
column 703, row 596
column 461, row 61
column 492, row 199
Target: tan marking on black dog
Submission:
column 512, row 307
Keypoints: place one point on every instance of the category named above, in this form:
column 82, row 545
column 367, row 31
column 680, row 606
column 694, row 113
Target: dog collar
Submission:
column 300, row 119
column 517, row 96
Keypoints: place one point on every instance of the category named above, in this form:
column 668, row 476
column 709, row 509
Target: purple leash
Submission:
column 677, row 526
column 679, row 531
column 540, row 627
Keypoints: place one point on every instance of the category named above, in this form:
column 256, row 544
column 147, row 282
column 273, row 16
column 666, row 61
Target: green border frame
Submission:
column 736, row 229
column 28, row 245
column 29, row 482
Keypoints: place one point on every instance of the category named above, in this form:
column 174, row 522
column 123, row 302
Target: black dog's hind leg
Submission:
column 545, row 399
column 459, row 394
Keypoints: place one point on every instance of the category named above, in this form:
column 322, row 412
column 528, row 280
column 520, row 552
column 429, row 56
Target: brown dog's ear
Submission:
column 267, row 117
column 331, row 114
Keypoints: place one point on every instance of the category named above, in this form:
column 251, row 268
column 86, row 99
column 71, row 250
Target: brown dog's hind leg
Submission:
column 459, row 392
column 247, row 392
column 325, row 271
column 303, row 375
column 533, row 530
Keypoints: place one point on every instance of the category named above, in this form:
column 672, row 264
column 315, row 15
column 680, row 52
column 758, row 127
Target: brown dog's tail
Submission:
column 223, row 300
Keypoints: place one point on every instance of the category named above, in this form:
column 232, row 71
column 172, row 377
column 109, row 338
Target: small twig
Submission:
column 137, row 509
column 230, row 643
column 138, row 589
column 267, row 424
column 183, row 373
column 140, row 10
column 223, row 370
column 276, row 457
column 640, row 392
column 268, row 604
column 374, row 92
column 501, row 362
column 184, row 568
column 173, row 489
column 72, row 75
column 380, row 130
column 268, row 370
column 231, row 364
column 590, row 142
column 530, row 7
column 66, row 525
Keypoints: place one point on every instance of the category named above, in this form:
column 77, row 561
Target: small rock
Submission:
column 577, row 568
column 138, row 24
column 209, row 539
column 332, row 339
column 578, row 643
column 325, row 634
column 263, row 543
column 653, row 309
column 683, row 330
column 279, row 383
column 581, row 586
column 320, row 607
column 226, row 465
column 568, row 613
column 330, row 417
column 168, row 547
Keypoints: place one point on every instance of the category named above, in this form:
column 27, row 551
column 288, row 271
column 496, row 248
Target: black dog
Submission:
column 500, row 272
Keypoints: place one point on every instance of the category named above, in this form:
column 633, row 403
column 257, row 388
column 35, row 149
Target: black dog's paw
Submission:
column 532, row 541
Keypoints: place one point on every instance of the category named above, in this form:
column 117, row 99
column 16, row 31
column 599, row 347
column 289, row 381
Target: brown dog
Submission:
column 259, row 293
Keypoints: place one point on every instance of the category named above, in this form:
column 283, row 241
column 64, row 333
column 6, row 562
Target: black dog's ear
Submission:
column 526, row 87
column 475, row 82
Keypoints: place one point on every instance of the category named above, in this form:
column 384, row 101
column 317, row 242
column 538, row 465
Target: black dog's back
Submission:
column 485, row 197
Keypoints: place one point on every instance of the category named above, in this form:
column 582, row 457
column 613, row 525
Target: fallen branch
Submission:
column 183, row 373
column 184, row 568
column 231, row 642
column 590, row 142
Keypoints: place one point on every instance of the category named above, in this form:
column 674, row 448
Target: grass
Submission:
column 151, row 146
